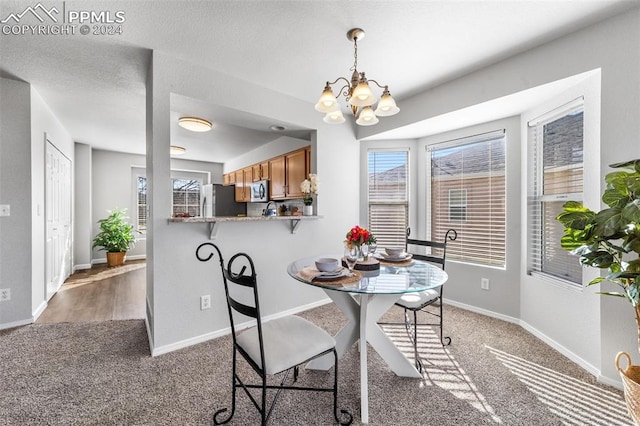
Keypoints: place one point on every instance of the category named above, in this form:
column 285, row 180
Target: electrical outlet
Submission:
column 5, row 294
column 5, row 210
column 205, row 302
column 484, row 283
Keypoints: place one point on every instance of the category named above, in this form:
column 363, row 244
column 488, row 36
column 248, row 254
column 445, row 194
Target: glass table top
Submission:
column 390, row 279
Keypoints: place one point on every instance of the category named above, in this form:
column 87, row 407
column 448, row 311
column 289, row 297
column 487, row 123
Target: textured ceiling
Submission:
column 95, row 85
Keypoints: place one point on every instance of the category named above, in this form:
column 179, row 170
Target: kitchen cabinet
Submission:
column 286, row 174
column 255, row 172
column 226, row 179
column 243, row 184
column 296, row 172
column 232, row 178
column 264, row 170
column 260, row 171
column 277, row 183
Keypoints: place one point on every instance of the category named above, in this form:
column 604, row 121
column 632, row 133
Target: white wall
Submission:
column 43, row 122
column 463, row 286
column 83, row 207
column 177, row 278
column 611, row 46
column 113, row 187
column 26, row 119
column 15, row 183
column 280, row 146
column 558, row 311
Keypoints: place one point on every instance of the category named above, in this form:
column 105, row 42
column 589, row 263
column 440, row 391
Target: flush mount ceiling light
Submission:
column 278, row 128
column 195, row 124
column 177, row 150
column 357, row 93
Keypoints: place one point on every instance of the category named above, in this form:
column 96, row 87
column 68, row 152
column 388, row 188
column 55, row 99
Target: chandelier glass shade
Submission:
column 358, row 94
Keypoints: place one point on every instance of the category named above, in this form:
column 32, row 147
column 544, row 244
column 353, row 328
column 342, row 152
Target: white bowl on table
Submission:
column 394, row 251
column 327, row 264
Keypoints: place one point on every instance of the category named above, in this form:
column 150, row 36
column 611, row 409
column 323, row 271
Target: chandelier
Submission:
column 357, row 93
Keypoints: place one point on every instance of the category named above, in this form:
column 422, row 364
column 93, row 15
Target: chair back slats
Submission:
column 240, row 279
column 437, row 246
column 243, row 309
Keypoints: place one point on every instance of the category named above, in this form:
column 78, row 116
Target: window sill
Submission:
column 557, row 282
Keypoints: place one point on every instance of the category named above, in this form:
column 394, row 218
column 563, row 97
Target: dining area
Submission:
column 363, row 284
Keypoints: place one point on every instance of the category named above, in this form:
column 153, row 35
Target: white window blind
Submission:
column 556, row 176
column 141, row 209
column 185, row 196
column 468, row 195
column 388, row 196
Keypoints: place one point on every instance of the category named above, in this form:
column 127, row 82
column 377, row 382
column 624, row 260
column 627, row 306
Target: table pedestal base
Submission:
column 363, row 313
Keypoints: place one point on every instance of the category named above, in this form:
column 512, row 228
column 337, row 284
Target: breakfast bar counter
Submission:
column 216, row 220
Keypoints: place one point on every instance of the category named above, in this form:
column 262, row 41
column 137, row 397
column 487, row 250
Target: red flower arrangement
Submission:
column 358, row 236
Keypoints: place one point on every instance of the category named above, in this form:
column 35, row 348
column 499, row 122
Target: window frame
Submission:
column 389, row 202
column 536, row 192
column 431, row 213
column 140, row 172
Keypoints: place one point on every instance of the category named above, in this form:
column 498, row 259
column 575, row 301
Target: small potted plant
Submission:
column 309, row 188
column 116, row 237
column 610, row 239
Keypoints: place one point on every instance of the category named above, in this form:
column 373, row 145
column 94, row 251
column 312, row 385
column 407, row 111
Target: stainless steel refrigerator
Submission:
column 219, row 200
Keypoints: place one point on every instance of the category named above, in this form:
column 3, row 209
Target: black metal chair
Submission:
column 270, row 347
column 425, row 301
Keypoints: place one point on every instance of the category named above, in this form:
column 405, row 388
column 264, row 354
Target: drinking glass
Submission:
column 372, row 248
column 351, row 257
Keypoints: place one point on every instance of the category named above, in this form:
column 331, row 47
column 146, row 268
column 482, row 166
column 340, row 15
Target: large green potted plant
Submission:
column 610, row 239
column 116, row 237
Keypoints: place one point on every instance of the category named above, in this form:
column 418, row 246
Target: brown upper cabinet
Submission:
column 243, row 185
column 287, row 172
column 278, row 182
column 260, row 171
column 264, row 170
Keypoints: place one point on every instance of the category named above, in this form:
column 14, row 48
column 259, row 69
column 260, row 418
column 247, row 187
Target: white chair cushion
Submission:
column 417, row 300
column 288, row 341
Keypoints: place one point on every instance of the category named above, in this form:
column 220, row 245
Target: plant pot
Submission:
column 631, row 381
column 307, row 210
column 116, row 258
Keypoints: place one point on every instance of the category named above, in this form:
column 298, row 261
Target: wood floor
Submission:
column 100, row 294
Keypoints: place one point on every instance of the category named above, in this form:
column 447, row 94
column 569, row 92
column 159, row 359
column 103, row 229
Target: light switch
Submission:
column 5, row 210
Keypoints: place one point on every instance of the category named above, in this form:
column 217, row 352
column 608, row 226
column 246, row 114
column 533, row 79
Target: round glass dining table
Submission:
column 363, row 299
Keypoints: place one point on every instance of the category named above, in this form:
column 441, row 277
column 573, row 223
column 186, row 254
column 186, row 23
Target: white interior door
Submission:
column 58, row 214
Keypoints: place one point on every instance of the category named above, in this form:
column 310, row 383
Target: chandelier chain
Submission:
column 355, row 55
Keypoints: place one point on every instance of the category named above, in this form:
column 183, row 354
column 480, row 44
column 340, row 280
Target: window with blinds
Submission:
column 556, row 175
column 468, row 193
column 388, row 196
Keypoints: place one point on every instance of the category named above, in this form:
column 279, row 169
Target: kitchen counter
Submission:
column 216, row 220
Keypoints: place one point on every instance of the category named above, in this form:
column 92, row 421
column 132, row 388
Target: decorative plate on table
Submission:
column 401, row 258
column 328, row 276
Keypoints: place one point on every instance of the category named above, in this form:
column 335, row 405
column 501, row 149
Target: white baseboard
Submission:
column 222, row 332
column 82, row 267
column 104, row 259
column 39, row 311
column 481, row 311
column 16, row 324
column 546, row 339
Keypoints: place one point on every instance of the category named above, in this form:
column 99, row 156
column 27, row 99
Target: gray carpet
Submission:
column 101, row 373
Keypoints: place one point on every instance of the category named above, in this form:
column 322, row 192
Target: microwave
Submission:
column 259, row 191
